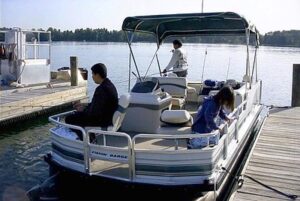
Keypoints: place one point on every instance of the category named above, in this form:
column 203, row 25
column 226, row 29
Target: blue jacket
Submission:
column 205, row 120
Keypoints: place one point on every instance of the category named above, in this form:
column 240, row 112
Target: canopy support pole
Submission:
column 129, row 72
column 159, row 68
column 155, row 54
column 247, row 76
column 256, row 71
column 257, row 46
column 248, row 53
column 129, row 67
column 254, row 67
column 131, row 52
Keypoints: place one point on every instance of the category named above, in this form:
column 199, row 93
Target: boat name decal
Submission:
column 109, row 155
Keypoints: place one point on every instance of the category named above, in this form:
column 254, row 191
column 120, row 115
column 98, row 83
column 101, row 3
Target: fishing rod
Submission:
column 227, row 69
column 203, row 67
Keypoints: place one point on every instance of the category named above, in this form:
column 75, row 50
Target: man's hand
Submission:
column 78, row 106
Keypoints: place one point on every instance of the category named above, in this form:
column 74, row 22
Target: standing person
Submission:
column 205, row 120
column 104, row 103
column 178, row 61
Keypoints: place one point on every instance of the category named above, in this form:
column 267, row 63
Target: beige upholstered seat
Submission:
column 176, row 87
column 176, row 116
column 118, row 116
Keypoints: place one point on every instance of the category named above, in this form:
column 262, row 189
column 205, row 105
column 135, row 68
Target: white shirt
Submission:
column 178, row 61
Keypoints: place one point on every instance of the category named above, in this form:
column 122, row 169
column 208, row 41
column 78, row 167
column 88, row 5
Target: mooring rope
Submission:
column 240, row 182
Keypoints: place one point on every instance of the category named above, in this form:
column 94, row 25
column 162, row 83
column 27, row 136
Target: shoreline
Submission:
column 145, row 42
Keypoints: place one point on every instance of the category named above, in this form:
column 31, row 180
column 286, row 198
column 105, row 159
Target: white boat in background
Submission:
column 24, row 56
column 147, row 142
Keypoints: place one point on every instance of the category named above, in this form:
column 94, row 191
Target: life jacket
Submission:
column 2, row 52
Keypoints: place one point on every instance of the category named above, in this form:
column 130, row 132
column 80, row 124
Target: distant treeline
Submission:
column 277, row 38
column 282, row 38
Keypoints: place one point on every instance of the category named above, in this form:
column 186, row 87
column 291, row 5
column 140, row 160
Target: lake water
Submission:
column 22, row 147
column 274, row 63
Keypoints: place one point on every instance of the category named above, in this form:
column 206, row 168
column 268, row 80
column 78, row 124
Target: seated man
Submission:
column 104, row 103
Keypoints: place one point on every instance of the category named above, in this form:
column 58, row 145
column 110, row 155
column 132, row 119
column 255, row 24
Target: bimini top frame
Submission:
column 163, row 26
column 192, row 24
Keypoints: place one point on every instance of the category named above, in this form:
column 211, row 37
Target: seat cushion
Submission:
column 178, row 101
column 191, row 90
column 175, row 116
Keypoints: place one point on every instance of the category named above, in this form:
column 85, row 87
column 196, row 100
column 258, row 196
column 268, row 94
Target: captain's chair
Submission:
column 176, row 87
column 118, row 116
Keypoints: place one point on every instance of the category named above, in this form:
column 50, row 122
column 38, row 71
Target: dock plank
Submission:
column 20, row 102
column 275, row 159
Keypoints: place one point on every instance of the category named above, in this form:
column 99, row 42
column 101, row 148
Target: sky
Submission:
column 267, row 15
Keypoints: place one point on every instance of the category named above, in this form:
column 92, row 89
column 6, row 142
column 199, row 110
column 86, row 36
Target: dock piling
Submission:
column 74, row 74
column 295, row 87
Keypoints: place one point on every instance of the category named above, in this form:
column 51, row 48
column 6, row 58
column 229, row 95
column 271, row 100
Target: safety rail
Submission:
column 21, row 43
column 166, row 136
column 225, row 127
column 236, row 114
column 131, row 143
column 55, row 119
column 107, row 157
column 36, row 43
column 36, row 52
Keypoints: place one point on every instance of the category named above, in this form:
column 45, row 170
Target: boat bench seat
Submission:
column 176, row 87
column 175, row 122
column 118, row 116
column 191, row 90
column 178, row 102
column 175, row 117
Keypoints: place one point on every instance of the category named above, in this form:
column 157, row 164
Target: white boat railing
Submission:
column 110, row 157
column 131, row 143
column 236, row 114
column 55, row 119
column 166, row 136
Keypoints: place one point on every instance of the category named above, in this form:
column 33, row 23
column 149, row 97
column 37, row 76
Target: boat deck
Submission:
column 274, row 160
column 18, row 103
column 121, row 170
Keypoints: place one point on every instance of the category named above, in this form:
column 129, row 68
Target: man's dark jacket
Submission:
column 104, row 103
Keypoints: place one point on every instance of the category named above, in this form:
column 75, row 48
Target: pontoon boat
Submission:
column 147, row 142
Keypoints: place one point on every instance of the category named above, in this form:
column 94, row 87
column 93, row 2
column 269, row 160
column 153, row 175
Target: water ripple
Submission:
column 21, row 155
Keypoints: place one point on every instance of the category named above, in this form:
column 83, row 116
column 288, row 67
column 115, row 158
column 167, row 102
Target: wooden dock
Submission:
column 23, row 102
column 274, row 160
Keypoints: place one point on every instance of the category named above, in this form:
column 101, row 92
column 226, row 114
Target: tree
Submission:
column 277, row 38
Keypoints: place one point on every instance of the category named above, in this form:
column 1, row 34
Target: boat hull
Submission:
column 220, row 185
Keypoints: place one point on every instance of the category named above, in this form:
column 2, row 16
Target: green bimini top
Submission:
column 163, row 26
